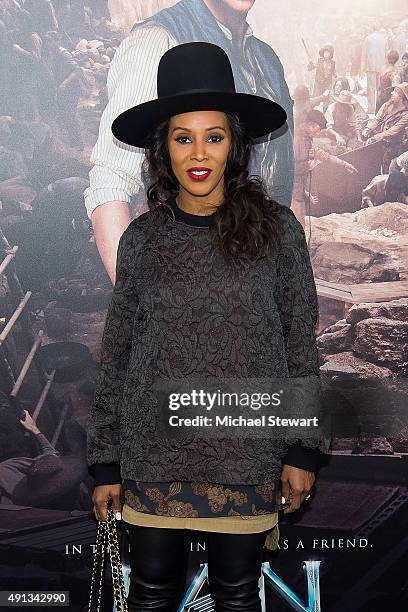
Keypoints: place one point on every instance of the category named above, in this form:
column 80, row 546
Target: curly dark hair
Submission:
column 248, row 222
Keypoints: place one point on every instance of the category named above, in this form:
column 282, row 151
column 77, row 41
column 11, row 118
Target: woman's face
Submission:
column 199, row 143
column 337, row 88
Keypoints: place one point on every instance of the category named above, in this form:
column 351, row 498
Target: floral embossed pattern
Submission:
column 199, row 499
column 179, row 308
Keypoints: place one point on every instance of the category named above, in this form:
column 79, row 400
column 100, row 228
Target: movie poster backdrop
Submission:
column 346, row 547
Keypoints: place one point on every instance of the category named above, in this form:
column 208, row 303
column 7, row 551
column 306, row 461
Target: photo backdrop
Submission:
column 347, row 548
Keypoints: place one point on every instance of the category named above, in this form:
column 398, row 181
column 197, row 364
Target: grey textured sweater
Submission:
column 178, row 309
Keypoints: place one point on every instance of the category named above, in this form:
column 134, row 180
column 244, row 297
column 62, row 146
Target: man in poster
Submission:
column 117, row 175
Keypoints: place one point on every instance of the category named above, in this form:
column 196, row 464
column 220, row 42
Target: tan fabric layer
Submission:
column 224, row 524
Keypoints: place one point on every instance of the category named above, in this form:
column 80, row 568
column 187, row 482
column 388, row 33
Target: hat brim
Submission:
column 260, row 115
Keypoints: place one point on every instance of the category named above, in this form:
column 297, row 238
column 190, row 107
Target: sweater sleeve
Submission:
column 103, row 454
column 299, row 313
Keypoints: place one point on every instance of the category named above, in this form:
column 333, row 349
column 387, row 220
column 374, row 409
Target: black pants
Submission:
column 159, row 560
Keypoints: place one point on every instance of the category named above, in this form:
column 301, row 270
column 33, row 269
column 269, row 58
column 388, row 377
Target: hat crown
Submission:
column 196, row 76
column 194, row 66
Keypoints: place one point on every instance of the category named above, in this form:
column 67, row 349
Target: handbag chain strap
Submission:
column 107, row 540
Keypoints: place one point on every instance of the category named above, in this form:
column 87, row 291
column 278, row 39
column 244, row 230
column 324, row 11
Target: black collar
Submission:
column 189, row 218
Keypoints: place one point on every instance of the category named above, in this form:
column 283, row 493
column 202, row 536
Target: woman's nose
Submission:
column 199, row 150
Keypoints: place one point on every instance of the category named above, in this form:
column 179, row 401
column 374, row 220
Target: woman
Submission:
column 199, row 294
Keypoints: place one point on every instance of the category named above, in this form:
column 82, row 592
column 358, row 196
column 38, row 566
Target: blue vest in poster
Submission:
column 260, row 67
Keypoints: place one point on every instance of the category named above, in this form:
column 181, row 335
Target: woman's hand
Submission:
column 296, row 484
column 101, row 496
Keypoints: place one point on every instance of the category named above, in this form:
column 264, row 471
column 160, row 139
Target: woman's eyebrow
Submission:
column 215, row 127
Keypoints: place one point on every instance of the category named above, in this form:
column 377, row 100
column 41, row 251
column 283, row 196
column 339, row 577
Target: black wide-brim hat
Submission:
column 196, row 76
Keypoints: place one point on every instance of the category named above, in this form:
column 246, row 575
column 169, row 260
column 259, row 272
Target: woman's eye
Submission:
column 220, row 138
column 182, row 138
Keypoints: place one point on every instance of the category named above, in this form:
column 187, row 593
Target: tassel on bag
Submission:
column 107, row 541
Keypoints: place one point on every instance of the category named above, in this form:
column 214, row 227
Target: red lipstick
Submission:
column 198, row 173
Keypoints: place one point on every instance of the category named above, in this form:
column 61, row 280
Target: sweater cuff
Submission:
column 301, row 457
column 106, row 473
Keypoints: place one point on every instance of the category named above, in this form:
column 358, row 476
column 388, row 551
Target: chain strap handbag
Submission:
column 107, row 541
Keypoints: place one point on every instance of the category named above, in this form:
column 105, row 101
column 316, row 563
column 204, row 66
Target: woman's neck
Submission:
column 194, row 207
column 187, row 217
